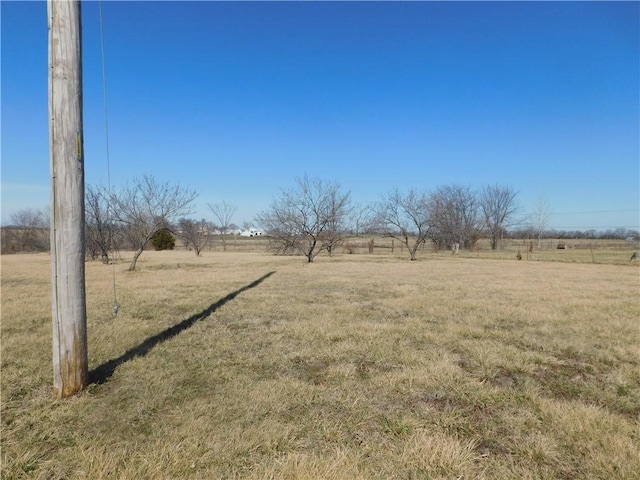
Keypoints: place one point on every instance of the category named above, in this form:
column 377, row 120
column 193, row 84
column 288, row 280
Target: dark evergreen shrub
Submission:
column 163, row 239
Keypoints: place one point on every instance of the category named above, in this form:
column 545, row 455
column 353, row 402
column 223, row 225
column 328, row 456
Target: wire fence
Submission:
column 575, row 250
column 617, row 251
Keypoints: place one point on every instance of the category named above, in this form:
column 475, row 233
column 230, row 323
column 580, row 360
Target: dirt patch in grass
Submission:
column 573, row 380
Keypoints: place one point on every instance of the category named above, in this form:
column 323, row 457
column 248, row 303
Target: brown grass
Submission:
column 354, row 367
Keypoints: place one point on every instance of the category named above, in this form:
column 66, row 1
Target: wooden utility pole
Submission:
column 66, row 152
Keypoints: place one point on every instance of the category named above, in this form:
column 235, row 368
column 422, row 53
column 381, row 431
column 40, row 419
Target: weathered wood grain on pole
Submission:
column 70, row 372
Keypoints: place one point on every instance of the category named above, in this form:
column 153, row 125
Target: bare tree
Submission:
column 307, row 219
column 194, row 234
column 339, row 211
column 99, row 225
column 223, row 213
column 146, row 206
column 540, row 217
column 404, row 217
column 498, row 206
column 359, row 220
column 453, row 216
column 30, row 230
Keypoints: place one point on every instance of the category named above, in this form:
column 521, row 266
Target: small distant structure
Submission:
column 251, row 232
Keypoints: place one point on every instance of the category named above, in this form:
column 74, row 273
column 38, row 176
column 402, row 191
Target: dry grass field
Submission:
column 247, row 365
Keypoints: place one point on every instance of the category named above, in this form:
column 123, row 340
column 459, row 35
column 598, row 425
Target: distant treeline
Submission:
column 590, row 234
column 17, row 239
column 312, row 216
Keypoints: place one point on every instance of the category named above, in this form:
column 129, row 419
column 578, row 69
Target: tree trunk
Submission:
column 494, row 242
column 310, row 250
column 70, row 372
column 138, row 252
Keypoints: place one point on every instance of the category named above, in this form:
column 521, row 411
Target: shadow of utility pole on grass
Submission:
column 103, row 372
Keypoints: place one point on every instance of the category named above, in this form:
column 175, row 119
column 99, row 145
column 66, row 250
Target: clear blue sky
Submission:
column 237, row 99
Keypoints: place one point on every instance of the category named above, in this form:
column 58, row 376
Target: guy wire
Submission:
column 116, row 306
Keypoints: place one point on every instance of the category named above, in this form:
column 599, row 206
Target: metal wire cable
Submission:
column 116, row 305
